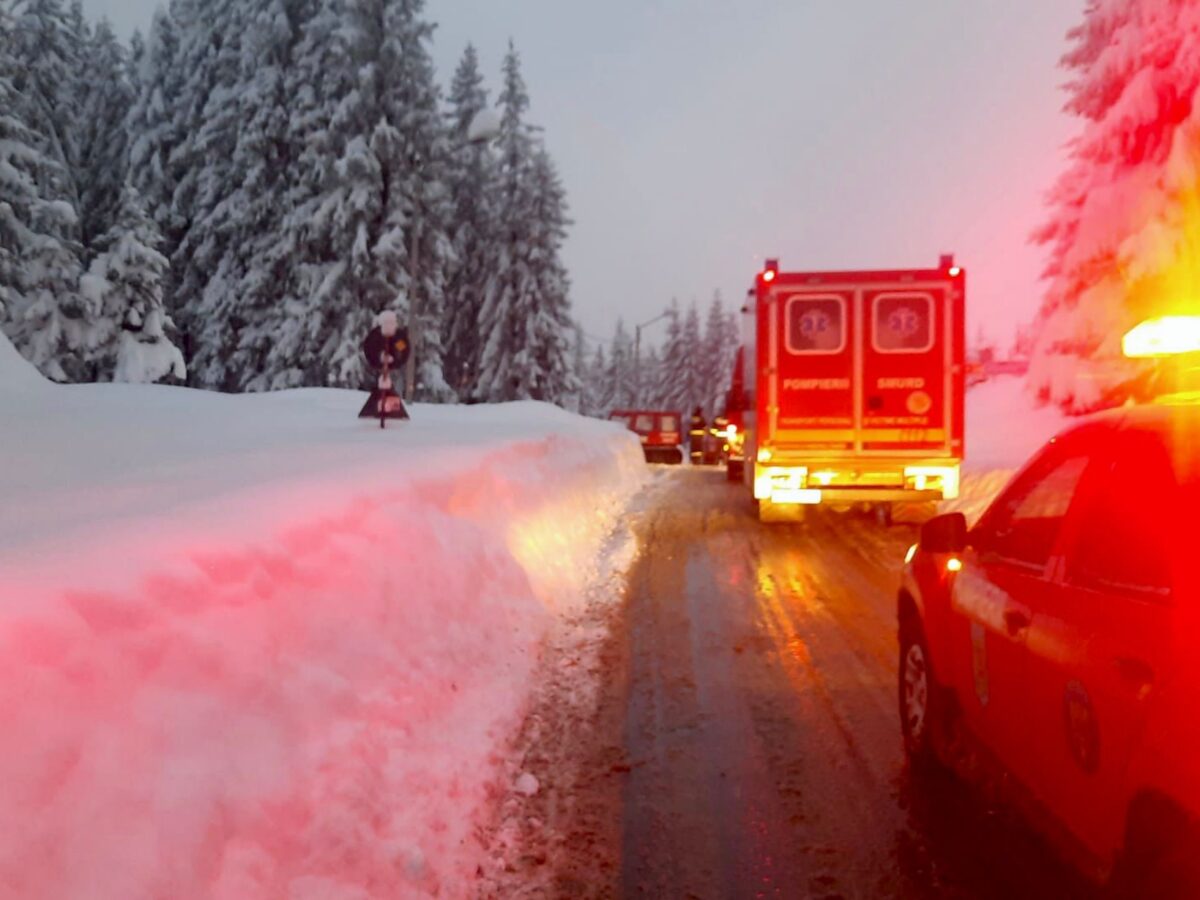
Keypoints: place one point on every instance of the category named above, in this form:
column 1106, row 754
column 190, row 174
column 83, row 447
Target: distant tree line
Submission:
column 251, row 182
column 692, row 366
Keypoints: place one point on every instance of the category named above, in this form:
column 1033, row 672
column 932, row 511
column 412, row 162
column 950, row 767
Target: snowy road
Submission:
column 745, row 741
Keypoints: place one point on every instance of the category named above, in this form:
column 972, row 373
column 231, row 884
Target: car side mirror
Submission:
column 945, row 534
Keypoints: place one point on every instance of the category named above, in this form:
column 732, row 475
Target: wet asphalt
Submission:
column 753, row 701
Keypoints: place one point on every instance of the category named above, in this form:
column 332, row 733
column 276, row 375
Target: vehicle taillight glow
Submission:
column 1163, row 336
column 955, row 271
column 764, row 454
column 732, row 431
column 768, row 276
column 954, row 564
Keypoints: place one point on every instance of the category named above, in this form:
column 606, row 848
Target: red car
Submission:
column 660, row 432
column 1060, row 638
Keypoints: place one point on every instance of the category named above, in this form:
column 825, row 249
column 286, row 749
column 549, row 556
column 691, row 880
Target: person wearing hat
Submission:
column 386, row 349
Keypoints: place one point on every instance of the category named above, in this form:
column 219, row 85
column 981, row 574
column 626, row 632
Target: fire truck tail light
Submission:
column 954, row 564
column 768, row 276
column 764, row 454
column 955, row 271
column 1163, row 336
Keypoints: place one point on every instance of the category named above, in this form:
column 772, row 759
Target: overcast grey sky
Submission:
column 697, row 137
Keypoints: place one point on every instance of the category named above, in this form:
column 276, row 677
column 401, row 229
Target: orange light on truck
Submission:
column 1163, row 336
column 768, row 276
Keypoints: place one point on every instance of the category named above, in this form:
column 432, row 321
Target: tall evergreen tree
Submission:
column 102, row 143
column 621, row 392
column 40, row 254
column 418, row 210
column 524, row 314
column 472, row 175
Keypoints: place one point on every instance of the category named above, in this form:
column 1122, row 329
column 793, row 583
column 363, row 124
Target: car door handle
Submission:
column 1135, row 674
column 1016, row 619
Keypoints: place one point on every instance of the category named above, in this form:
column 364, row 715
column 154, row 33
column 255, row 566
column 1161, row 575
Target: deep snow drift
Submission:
column 1003, row 428
column 253, row 647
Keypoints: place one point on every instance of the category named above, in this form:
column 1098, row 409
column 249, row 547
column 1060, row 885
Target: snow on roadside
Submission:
column 1003, row 429
column 252, row 647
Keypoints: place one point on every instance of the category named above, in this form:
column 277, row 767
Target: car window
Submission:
column 1125, row 535
column 669, row 423
column 1024, row 524
column 644, row 424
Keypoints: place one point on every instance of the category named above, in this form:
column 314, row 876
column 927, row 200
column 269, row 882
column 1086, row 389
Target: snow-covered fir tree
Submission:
column 152, row 124
column 673, row 363
column 720, row 348
column 472, row 180
column 1124, row 229
column 40, row 256
column 597, row 390
column 418, row 211
column 620, row 388
column 102, row 137
column 125, row 287
column 525, row 313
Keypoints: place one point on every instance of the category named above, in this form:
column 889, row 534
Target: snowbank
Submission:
column 1003, row 428
column 253, row 647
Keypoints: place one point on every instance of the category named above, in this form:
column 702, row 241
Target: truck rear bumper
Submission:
column 855, row 482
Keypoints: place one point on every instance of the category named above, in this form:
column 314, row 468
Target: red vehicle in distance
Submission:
column 660, row 431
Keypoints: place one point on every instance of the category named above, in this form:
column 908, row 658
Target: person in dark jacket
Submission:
column 386, row 349
column 696, row 430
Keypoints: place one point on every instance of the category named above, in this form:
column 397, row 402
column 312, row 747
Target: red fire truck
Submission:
column 855, row 393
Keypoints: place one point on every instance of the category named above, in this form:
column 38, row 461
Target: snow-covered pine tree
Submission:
column 720, row 346
column 1124, row 229
column 415, row 170
column 693, row 388
column 39, row 250
column 335, row 199
column 472, row 179
column 596, row 387
column 152, row 124
column 525, row 311
column 650, row 378
column 261, row 254
column 206, row 116
column 125, row 286
column 550, row 333
column 619, row 388
column 105, row 97
column 672, row 371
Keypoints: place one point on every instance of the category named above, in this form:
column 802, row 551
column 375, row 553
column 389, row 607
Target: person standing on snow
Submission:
column 386, row 349
column 696, row 429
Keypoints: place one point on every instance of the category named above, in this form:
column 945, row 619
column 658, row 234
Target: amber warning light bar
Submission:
column 1163, row 336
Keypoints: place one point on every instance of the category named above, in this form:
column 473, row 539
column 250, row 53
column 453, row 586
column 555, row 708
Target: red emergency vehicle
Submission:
column 856, row 388
column 660, row 432
column 1057, row 636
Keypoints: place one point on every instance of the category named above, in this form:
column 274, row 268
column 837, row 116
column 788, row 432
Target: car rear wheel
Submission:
column 920, row 700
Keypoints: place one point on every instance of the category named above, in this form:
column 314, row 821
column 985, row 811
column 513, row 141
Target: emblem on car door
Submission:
column 1083, row 732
